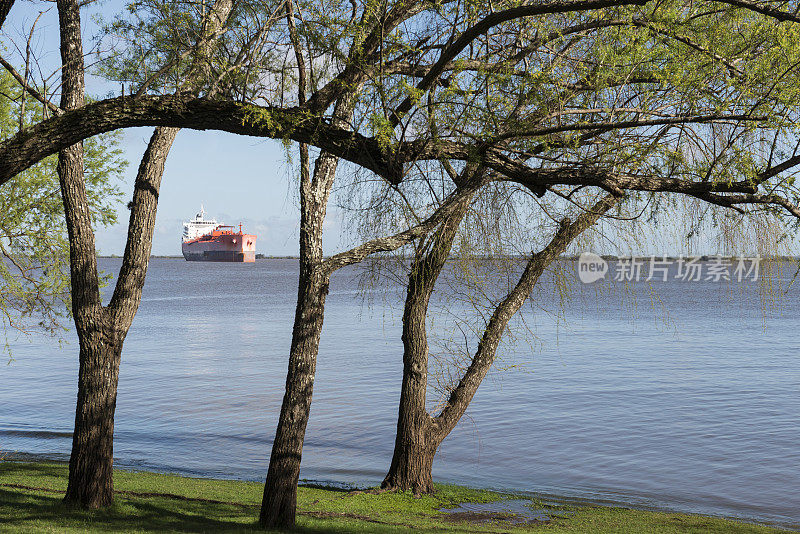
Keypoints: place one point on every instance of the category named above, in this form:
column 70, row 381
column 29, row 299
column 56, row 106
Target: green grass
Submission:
column 151, row 502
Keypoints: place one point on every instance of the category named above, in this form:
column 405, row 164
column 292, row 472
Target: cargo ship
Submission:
column 207, row 240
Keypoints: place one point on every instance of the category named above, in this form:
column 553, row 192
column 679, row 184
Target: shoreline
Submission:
column 517, row 503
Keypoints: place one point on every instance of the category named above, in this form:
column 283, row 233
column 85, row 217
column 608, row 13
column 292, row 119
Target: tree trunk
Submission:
column 280, row 489
column 414, row 447
column 412, row 463
column 417, row 437
column 418, row 434
column 279, row 503
column 101, row 331
column 415, row 444
column 90, row 467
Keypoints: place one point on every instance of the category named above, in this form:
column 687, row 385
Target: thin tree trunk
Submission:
column 280, row 489
column 101, row 331
column 482, row 361
column 279, row 501
column 141, row 224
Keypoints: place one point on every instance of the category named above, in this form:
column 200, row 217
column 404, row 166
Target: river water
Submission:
column 677, row 395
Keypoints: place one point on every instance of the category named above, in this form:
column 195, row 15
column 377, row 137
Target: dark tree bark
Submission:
column 280, row 491
column 33, row 144
column 101, row 332
column 90, row 482
column 5, row 7
column 91, row 461
column 418, row 433
column 279, row 501
column 278, row 507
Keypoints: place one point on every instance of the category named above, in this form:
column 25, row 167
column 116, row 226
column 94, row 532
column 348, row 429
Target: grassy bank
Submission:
column 30, row 501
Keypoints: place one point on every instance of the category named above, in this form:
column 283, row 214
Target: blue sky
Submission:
column 237, row 179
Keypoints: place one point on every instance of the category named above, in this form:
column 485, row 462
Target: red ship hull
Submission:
column 221, row 245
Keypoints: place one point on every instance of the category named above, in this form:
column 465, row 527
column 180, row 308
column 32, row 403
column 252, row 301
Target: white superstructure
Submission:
column 198, row 226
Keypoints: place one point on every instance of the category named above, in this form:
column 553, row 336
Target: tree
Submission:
column 102, row 329
column 419, row 434
column 600, row 68
column 621, row 66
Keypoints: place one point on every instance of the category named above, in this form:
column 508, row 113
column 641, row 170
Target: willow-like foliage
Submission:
column 34, row 270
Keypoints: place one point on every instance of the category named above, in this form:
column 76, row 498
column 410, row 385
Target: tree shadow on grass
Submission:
column 50, row 475
column 30, row 510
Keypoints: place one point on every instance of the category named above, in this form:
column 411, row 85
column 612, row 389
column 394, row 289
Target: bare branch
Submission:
column 29, row 88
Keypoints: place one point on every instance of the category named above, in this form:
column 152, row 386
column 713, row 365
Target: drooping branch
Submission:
column 775, row 170
column 354, row 71
column 735, row 201
column 483, row 64
column 543, row 178
column 482, row 361
column 492, row 20
column 622, row 125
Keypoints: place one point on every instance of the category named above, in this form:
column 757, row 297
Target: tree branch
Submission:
column 482, row 361
column 468, row 36
column 184, row 111
column 395, row 241
column 30, row 89
column 5, row 7
column 130, row 281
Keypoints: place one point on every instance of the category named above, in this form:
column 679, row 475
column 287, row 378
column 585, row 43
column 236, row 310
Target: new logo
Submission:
column 591, row 267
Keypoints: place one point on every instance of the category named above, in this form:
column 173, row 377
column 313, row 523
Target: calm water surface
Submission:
column 677, row 395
